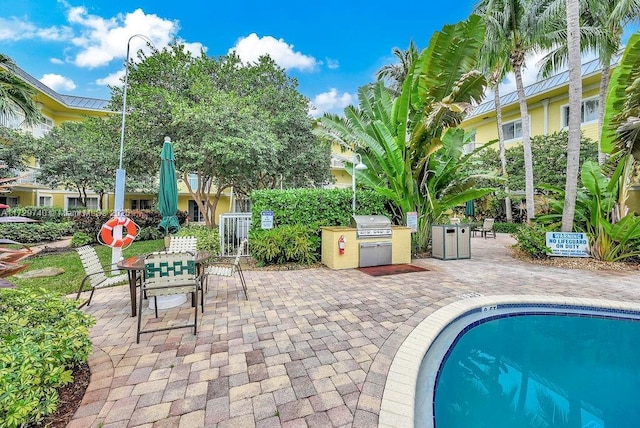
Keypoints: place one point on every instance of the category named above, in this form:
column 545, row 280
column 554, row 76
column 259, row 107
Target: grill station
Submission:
column 369, row 240
column 371, row 226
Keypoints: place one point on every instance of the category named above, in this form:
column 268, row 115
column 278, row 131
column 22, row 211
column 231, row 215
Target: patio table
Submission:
column 135, row 265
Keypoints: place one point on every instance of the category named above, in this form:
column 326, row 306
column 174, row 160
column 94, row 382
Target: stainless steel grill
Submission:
column 371, row 226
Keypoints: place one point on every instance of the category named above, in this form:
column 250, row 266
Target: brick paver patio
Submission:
column 310, row 348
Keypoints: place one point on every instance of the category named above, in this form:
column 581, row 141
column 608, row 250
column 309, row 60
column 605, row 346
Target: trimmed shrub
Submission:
column 30, row 233
column 42, row 338
column 531, row 240
column 286, row 244
column 504, row 227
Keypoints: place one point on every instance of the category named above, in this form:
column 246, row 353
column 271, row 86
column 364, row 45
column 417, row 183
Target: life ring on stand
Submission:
column 106, row 233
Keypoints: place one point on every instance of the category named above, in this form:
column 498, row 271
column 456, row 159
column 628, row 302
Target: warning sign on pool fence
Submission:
column 568, row 244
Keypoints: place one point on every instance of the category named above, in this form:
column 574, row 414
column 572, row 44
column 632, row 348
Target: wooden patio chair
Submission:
column 486, row 228
column 168, row 273
column 95, row 273
column 228, row 269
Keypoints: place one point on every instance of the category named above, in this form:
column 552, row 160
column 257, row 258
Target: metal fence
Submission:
column 234, row 227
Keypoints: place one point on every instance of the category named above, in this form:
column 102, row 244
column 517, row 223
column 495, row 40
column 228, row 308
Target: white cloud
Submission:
column 113, row 79
column 57, row 61
column 103, row 40
column 14, row 29
column 332, row 64
column 330, row 102
column 58, row 82
column 252, row 47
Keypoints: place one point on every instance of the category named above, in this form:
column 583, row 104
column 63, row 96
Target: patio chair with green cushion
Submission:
column 486, row 228
column 228, row 269
column 183, row 243
column 95, row 274
column 168, row 273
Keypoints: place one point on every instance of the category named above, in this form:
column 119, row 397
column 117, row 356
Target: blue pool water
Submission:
column 541, row 371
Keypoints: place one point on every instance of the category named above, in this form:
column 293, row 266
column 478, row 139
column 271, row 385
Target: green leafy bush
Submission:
column 149, row 234
column 80, row 238
column 504, row 227
column 30, row 233
column 42, row 338
column 531, row 240
column 286, row 244
column 324, row 207
column 208, row 239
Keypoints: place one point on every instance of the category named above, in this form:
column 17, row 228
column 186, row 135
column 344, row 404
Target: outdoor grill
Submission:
column 368, row 228
column 371, row 226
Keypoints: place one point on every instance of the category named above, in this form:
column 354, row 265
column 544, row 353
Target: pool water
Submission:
column 542, row 371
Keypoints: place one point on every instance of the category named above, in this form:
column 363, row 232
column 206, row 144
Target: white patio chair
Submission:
column 183, row 243
column 95, row 274
column 228, row 269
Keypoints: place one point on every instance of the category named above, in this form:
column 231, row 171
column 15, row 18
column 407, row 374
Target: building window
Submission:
column 589, row 112
column 194, row 212
column 193, row 181
column 43, row 127
column 512, row 130
column 141, row 204
column 75, row 204
column 10, row 200
column 242, row 204
column 45, row 201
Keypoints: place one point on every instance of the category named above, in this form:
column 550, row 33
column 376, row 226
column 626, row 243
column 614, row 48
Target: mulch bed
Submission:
column 391, row 269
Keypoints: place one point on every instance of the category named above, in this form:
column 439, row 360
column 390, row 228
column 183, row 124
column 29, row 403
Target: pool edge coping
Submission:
column 398, row 400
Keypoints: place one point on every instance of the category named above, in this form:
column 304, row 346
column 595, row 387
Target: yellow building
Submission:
column 58, row 108
column 548, row 104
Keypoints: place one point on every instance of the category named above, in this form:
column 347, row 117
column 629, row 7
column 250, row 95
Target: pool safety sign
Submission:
column 412, row 221
column 568, row 244
column 266, row 219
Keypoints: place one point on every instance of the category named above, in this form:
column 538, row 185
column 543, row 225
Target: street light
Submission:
column 118, row 206
column 359, row 166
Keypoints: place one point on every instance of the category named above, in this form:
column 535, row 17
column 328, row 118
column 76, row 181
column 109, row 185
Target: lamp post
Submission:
column 359, row 166
column 118, row 206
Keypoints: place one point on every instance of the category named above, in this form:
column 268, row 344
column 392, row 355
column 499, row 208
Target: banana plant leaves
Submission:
column 168, row 192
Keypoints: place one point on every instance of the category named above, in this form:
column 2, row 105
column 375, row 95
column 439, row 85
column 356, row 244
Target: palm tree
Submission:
column 603, row 22
column 411, row 144
column 515, row 23
column 398, row 72
column 493, row 60
column 16, row 94
column 575, row 101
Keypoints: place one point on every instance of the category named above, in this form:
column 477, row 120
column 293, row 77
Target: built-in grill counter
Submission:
column 369, row 241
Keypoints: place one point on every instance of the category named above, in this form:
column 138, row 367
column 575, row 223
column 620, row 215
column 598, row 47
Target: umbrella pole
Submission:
column 167, row 241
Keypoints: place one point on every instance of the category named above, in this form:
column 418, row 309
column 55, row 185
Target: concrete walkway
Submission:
column 310, row 348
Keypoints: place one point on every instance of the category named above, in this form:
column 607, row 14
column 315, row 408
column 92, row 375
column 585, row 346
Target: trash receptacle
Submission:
column 450, row 241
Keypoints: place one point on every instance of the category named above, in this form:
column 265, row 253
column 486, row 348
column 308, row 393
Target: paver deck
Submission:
column 310, row 348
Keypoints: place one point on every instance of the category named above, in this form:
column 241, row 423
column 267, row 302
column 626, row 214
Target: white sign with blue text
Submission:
column 266, row 219
column 568, row 244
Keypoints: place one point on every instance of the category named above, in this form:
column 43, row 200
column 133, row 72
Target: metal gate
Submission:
column 233, row 227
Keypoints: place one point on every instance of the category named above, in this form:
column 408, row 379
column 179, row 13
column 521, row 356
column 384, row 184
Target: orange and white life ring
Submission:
column 106, row 233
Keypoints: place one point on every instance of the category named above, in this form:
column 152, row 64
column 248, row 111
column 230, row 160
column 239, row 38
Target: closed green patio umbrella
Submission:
column 168, row 193
column 469, row 209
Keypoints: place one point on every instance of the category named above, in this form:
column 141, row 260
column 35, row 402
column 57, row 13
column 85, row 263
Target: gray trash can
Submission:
column 450, row 241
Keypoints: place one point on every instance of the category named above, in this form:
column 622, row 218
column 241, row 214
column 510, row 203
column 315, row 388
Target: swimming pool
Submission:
column 486, row 363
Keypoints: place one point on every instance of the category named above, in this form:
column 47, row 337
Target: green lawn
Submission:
column 70, row 280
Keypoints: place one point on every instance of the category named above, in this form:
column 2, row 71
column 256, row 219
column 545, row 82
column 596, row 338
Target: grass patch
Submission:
column 70, row 280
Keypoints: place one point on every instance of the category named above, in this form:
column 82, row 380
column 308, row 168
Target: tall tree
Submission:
column 493, row 59
column 16, row 96
column 575, row 102
column 602, row 25
column 395, row 74
column 515, row 23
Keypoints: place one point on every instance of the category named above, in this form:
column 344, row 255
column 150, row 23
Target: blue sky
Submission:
column 332, row 47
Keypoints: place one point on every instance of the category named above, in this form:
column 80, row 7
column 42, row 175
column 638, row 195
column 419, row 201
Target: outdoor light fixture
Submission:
column 359, row 166
column 118, row 206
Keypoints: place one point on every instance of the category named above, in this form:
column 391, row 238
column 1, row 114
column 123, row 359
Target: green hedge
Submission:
column 298, row 215
column 30, row 233
column 208, row 239
column 42, row 338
